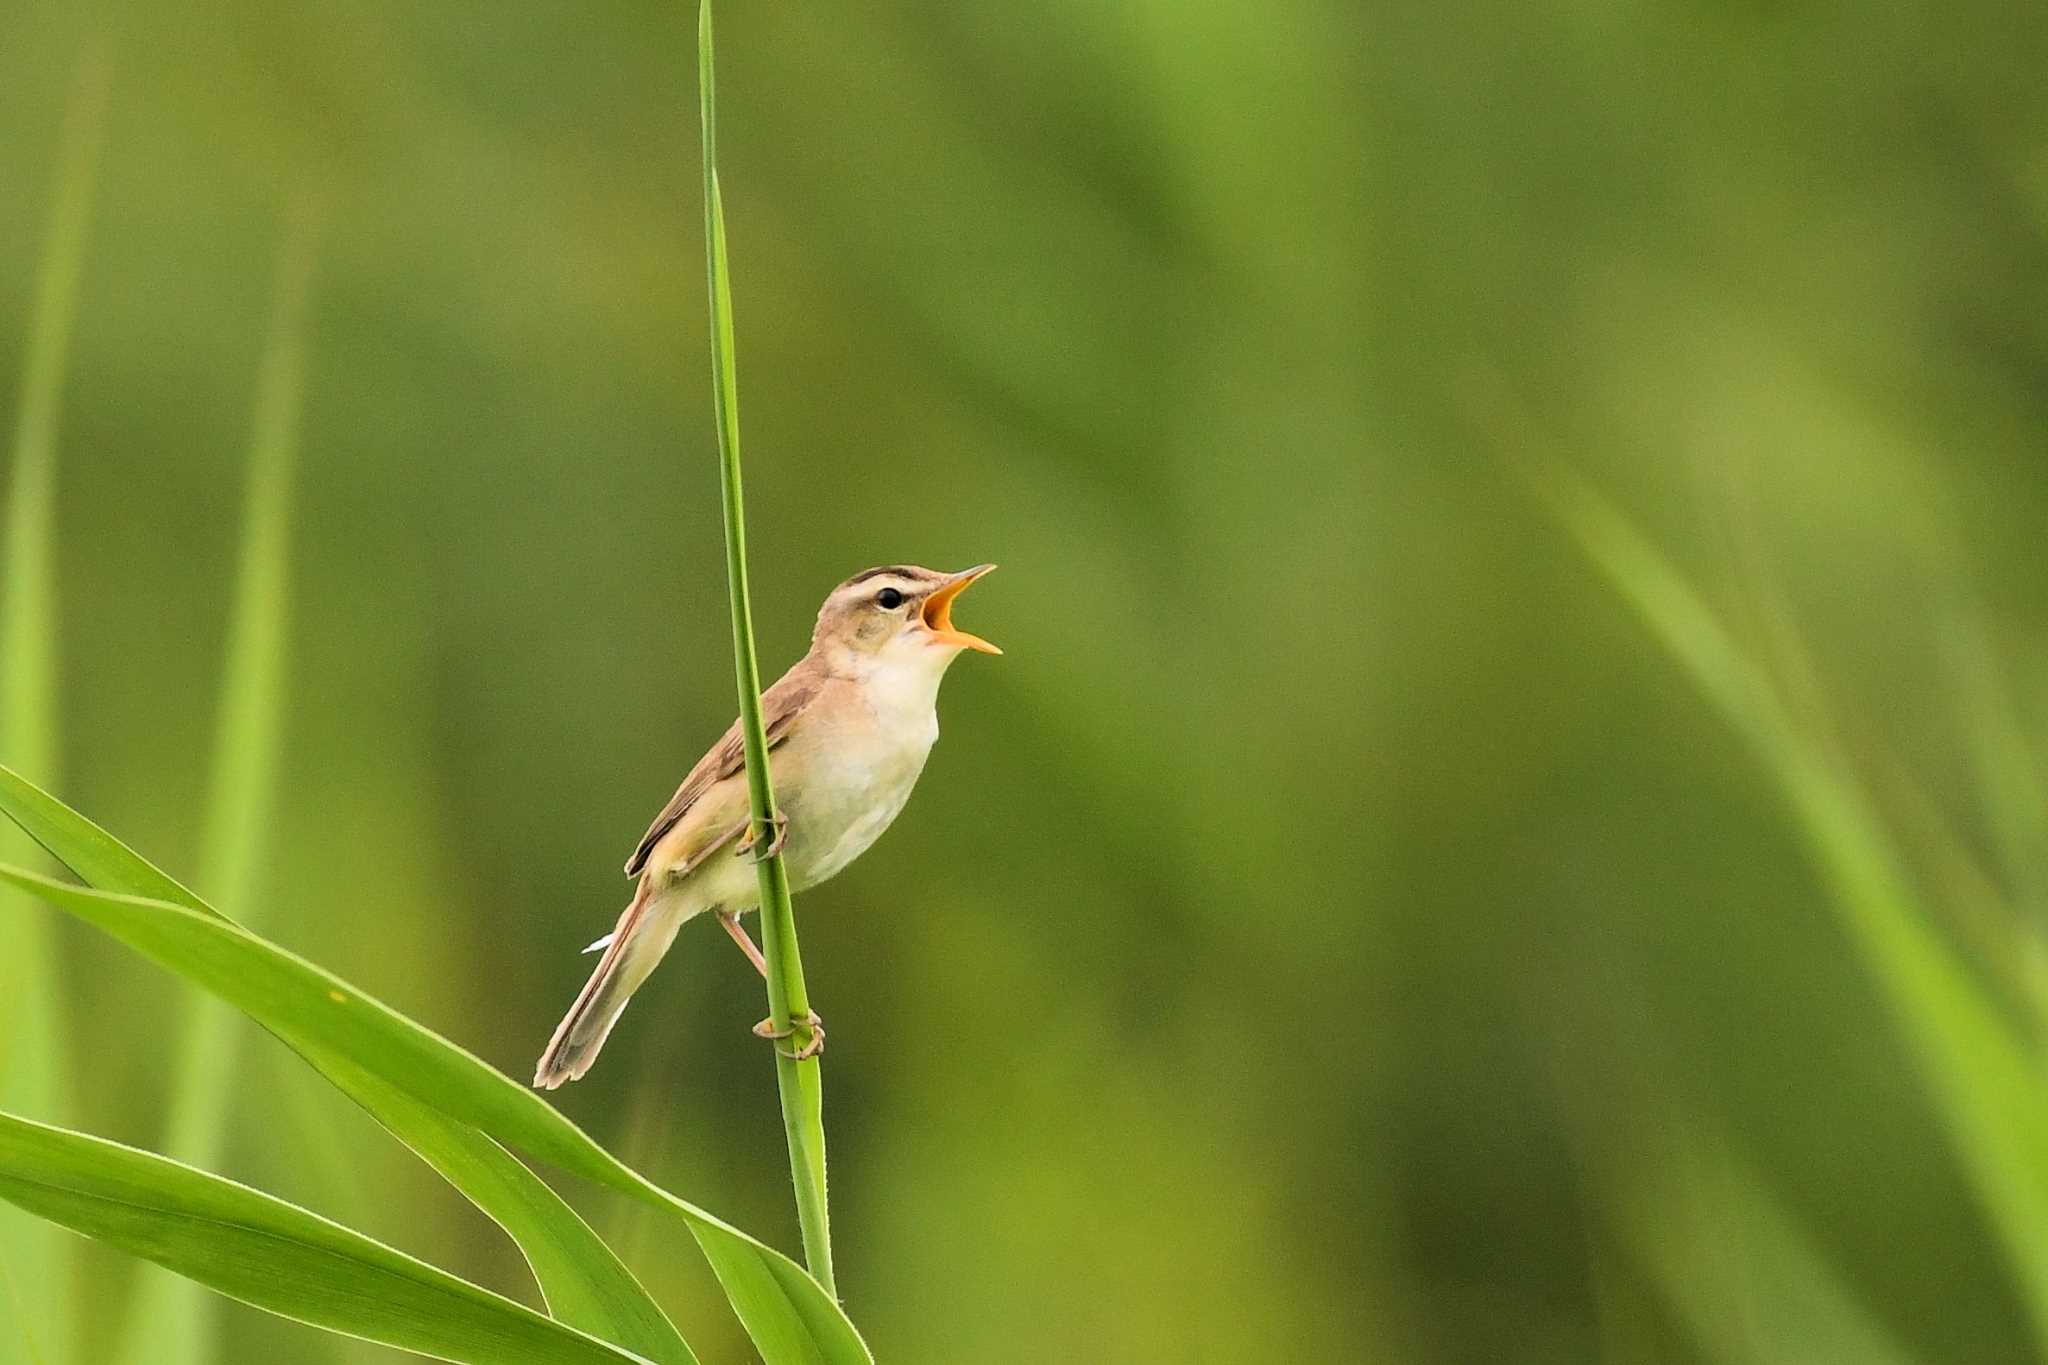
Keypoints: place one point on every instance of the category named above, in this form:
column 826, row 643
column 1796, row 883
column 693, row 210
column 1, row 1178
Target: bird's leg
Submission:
column 731, row 920
column 766, row 1028
column 816, row 1026
column 774, row 845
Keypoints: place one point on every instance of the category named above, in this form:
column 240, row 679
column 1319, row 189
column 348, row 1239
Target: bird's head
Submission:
column 900, row 614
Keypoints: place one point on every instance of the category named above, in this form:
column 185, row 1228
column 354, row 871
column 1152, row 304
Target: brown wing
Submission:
column 781, row 705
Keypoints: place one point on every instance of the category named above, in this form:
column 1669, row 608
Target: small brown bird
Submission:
column 850, row 726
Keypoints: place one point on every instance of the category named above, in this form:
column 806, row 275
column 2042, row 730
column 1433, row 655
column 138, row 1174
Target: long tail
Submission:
column 643, row 936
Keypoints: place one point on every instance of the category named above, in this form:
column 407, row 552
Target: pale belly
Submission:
column 850, row 794
column 854, row 796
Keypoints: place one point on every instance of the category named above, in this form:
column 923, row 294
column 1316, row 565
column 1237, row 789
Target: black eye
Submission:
column 888, row 599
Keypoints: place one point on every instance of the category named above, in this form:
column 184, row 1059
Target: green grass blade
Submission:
column 788, row 1315
column 171, row 1322
column 583, row 1283
column 274, row 1255
column 1985, row 1081
column 95, row 855
column 35, row 1262
column 322, row 1017
column 800, row 1084
column 2015, row 791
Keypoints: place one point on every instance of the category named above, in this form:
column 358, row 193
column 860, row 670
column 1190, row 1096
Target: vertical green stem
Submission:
column 798, row 1082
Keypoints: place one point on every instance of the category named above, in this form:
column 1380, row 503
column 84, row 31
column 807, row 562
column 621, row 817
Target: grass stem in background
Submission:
column 799, row 1083
column 1740, row 1275
column 35, row 1260
column 173, row 1321
column 1981, row 1075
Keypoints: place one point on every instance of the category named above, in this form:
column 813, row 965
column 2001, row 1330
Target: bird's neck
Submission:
column 899, row 684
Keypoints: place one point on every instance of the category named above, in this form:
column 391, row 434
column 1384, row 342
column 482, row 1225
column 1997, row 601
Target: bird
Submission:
column 850, row 726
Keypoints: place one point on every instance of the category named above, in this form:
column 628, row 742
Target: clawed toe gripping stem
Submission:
column 810, row 1022
column 762, row 855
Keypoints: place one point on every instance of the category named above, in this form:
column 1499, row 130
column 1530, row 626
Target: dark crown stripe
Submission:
column 899, row 570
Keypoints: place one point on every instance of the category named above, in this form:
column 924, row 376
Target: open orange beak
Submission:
column 938, row 611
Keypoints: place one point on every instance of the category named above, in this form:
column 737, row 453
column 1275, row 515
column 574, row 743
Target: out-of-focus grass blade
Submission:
column 2015, row 800
column 790, row 1318
column 584, row 1284
column 1738, row 1272
column 1986, row 1085
column 272, row 1254
column 170, row 1321
column 246, row 738
column 35, row 1262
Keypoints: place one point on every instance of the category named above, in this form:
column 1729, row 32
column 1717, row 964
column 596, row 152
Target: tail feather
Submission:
column 631, row 951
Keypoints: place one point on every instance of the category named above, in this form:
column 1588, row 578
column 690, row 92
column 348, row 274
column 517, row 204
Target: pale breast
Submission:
column 861, row 787
column 858, row 771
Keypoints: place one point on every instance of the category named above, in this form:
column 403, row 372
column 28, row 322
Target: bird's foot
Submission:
column 810, row 1023
column 774, row 845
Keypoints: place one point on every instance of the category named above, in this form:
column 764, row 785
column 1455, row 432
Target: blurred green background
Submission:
column 1335, row 930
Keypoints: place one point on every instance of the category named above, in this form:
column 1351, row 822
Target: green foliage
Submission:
column 346, row 1033
column 1982, row 1071
column 272, row 1254
column 583, row 1283
column 1737, row 1271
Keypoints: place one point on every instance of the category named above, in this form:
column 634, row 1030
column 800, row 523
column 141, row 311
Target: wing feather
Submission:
column 781, row 707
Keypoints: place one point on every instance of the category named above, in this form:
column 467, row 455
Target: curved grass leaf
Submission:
column 785, row 1311
column 274, row 1255
column 96, row 856
column 583, row 1283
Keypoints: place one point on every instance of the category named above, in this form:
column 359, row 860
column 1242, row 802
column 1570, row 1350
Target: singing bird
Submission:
column 850, row 727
